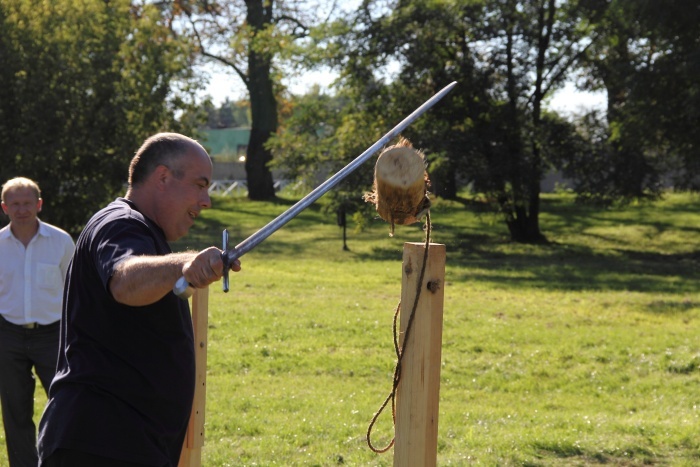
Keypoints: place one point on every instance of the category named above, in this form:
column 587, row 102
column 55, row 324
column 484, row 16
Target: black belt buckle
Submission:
column 30, row 325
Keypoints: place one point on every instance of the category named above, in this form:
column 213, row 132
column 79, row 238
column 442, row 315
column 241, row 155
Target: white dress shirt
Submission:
column 31, row 278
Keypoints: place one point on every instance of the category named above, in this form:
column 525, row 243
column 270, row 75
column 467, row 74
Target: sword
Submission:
column 184, row 290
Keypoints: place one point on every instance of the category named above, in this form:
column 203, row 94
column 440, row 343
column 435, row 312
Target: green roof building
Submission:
column 226, row 144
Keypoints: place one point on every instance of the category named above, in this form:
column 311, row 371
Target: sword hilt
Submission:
column 184, row 289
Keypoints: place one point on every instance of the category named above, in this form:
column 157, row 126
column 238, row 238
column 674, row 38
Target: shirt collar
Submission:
column 43, row 229
column 150, row 221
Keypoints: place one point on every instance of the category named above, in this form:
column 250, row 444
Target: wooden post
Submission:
column 191, row 455
column 418, row 392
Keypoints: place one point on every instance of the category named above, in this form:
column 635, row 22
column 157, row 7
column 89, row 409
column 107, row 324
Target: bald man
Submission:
column 124, row 385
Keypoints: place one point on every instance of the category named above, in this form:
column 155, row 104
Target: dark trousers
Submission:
column 70, row 458
column 21, row 350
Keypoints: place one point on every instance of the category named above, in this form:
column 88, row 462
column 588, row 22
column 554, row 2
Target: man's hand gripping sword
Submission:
column 184, row 290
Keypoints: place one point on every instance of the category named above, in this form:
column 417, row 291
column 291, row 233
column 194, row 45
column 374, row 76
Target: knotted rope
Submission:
column 400, row 351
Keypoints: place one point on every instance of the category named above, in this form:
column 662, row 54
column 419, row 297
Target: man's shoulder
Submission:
column 5, row 235
column 120, row 225
column 118, row 216
column 47, row 229
column 118, row 210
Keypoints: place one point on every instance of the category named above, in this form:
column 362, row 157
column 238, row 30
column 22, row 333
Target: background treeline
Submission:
column 494, row 131
column 83, row 84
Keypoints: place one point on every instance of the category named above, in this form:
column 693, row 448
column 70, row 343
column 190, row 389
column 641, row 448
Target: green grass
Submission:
column 583, row 351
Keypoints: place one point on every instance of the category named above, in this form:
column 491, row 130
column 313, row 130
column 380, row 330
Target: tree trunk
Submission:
column 258, row 175
column 443, row 180
column 263, row 106
column 524, row 225
column 527, row 229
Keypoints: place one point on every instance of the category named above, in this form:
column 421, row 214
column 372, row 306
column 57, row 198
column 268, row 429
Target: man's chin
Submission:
column 175, row 236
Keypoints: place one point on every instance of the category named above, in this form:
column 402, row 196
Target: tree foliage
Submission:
column 509, row 56
column 82, row 84
column 228, row 114
column 647, row 61
column 319, row 136
column 324, row 133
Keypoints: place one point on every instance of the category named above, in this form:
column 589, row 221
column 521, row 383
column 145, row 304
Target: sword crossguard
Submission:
column 224, row 258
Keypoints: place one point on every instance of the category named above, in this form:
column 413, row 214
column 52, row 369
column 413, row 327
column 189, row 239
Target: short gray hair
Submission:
column 160, row 149
column 20, row 182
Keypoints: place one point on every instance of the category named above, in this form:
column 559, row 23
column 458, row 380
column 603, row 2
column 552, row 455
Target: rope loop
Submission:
column 399, row 350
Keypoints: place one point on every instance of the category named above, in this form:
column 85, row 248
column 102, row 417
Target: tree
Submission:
column 536, row 47
column 319, row 136
column 508, row 56
column 252, row 38
column 88, row 82
column 308, row 137
column 228, row 115
column 647, row 62
column 431, row 44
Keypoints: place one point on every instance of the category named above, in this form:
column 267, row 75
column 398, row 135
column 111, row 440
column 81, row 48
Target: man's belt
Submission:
column 29, row 325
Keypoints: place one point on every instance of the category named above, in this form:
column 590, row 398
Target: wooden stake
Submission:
column 191, row 455
column 418, row 392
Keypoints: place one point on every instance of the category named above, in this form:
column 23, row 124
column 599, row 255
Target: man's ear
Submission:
column 4, row 208
column 160, row 175
column 39, row 204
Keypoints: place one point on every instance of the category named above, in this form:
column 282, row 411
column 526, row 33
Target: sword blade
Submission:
column 184, row 290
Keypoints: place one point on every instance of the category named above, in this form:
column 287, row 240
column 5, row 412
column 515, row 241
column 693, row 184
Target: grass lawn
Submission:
column 582, row 351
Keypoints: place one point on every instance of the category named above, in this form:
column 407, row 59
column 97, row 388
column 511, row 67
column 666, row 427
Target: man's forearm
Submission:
column 143, row 280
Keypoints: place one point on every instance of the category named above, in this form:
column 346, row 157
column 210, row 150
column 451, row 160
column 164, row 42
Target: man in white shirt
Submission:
column 35, row 257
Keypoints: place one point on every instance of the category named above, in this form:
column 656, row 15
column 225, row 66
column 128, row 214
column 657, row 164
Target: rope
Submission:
column 400, row 351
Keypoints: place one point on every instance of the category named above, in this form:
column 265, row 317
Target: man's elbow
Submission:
column 119, row 291
column 131, row 294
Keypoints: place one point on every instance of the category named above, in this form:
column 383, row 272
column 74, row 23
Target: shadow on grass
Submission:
column 478, row 252
column 569, row 268
column 578, row 455
column 662, row 307
column 485, row 257
column 241, row 218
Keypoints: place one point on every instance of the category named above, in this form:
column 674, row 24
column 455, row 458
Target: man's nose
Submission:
column 206, row 200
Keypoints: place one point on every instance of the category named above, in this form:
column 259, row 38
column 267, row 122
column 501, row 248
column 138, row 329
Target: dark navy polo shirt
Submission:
column 125, row 378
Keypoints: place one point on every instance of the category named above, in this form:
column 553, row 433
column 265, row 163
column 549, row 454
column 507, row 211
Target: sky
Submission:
column 570, row 100
column 224, row 85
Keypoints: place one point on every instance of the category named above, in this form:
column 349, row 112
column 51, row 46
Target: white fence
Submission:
column 228, row 187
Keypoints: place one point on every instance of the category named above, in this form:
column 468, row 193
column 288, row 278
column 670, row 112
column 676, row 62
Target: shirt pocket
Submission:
column 48, row 276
